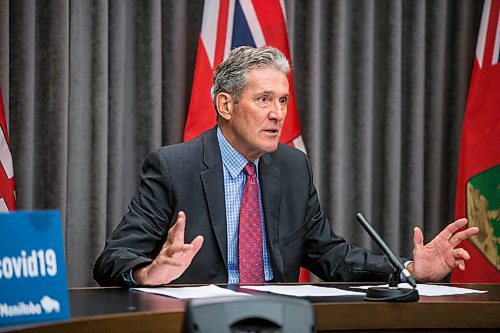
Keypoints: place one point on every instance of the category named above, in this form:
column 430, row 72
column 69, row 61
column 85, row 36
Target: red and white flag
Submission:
column 478, row 186
column 7, row 195
column 228, row 24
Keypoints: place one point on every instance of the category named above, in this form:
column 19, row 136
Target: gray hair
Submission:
column 231, row 75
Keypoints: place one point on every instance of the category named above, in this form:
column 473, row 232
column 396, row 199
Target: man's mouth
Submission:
column 271, row 131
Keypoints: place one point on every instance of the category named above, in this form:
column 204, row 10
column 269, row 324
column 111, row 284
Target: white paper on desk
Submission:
column 304, row 290
column 433, row 289
column 191, row 292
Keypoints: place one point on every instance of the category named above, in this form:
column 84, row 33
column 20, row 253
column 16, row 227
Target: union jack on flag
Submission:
column 228, row 24
column 488, row 40
column 7, row 193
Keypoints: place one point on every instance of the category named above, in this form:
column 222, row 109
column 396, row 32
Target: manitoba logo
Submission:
column 29, row 308
column 483, row 211
column 50, row 305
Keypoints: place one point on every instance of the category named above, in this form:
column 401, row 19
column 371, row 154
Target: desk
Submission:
column 121, row 310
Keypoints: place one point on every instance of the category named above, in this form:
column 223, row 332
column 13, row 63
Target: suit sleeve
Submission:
column 330, row 257
column 143, row 229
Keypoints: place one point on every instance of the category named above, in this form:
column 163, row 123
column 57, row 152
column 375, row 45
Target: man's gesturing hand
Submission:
column 440, row 256
column 173, row 259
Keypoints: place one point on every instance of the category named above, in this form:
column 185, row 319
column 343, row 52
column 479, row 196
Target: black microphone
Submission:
column 394, row 260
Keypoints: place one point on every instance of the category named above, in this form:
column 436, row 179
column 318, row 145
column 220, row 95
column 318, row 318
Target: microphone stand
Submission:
column 392, row 293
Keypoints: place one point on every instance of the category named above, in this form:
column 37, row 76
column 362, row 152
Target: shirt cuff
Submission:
column 406, row 264
column 128, row 278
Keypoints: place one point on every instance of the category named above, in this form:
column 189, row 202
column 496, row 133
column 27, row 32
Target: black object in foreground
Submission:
column 391, row 293
column 259, row 313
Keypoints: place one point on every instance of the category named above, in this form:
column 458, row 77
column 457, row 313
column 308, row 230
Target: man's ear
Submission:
column 224, row 105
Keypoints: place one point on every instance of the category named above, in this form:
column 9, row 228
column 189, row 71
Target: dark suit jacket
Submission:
column 189, row 177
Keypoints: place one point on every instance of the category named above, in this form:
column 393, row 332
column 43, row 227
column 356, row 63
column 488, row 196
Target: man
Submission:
column 234, row 205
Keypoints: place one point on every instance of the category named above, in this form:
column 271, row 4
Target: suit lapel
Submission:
column 213, row 185
column 270, row 183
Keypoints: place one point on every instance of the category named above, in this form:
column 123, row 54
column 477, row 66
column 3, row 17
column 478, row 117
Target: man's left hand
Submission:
column 435, row 260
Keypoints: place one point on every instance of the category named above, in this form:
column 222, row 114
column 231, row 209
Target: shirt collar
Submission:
column 231, row 158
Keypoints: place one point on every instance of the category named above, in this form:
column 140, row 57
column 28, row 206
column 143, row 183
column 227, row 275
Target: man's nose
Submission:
column 278, row 111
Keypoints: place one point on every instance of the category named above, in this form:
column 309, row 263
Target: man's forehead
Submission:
column 267, row 80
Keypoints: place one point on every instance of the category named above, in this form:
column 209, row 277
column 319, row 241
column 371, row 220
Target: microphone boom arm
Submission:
column 393, row 259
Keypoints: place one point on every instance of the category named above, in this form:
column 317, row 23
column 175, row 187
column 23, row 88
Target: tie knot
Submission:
column 249, row 169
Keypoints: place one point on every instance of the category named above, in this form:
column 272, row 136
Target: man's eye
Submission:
column 283, row 100
column 263, row 101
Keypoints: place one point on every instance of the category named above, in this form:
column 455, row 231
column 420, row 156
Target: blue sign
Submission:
column 33, row 283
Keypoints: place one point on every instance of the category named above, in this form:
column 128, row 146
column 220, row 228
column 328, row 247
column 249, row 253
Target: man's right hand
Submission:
column 173, row 259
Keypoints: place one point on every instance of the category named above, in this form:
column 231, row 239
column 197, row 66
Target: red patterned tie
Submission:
column 251, row 260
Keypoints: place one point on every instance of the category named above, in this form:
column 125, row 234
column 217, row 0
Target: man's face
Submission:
column 255, row 122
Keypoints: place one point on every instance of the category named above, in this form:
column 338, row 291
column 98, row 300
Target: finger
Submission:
column 177, row 248
column 181, row 226
column 452, row 228
column 167, row 257
column 461, row 254
column 462, row 235
column 184, row 254
column 460, row 264
column 196, row 244
column 176, row 232
column 418, row 240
